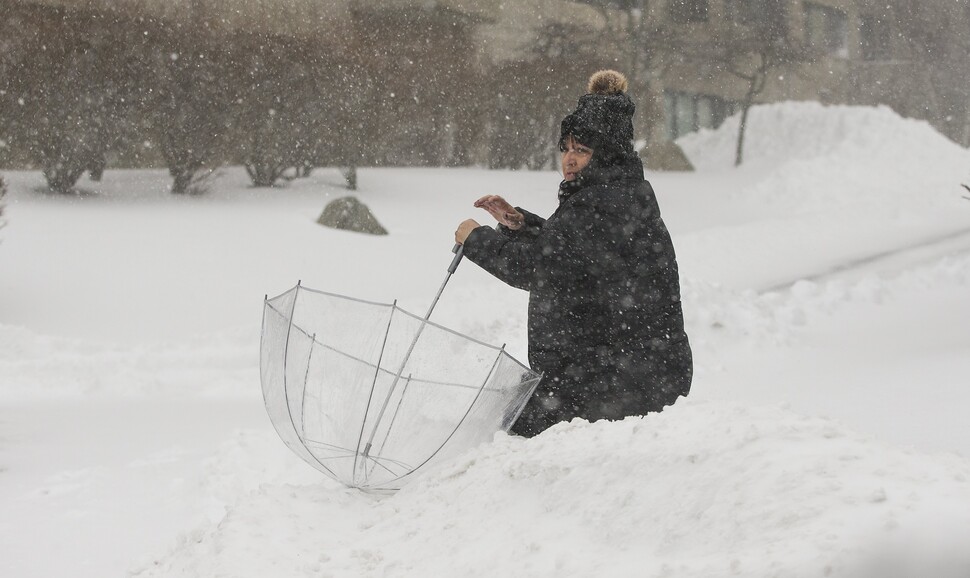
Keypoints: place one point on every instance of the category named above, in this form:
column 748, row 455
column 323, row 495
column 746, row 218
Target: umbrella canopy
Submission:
column 368, row 393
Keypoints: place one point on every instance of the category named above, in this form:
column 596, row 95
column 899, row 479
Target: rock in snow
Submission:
column 350, row 214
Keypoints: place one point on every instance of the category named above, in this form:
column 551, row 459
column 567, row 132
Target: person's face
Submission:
column 575, row 157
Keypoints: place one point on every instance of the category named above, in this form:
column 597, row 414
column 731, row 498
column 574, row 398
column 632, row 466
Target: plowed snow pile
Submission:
column 701, row 490
column 823, row 156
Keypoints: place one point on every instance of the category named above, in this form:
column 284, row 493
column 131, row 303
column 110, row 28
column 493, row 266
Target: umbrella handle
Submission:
column 458, row 250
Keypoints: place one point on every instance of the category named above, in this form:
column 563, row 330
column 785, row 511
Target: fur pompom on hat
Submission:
column 607, row 82
column 603, row 119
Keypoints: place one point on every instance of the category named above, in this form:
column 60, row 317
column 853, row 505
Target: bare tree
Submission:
column 345, row 127
column 71, row 85
column 269, row 75
column 57, row 98
column 16, row 33
column 75, row 123
column 191, row 106
column 748, row 48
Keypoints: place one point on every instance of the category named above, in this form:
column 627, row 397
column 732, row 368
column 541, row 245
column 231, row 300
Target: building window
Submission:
column 826, row 29
column 746, row 12
column 687, row 112
column 875, row 38
column 770, row 14
column 684, row 11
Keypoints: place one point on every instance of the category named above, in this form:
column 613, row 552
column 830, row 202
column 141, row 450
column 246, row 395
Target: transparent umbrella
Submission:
column 368, row 393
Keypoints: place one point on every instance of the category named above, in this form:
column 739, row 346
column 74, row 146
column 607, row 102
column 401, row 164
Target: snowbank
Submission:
column 822, row 187
column 704, row 489
column 822, row 156
column 129, row 353
column 759, row 318
column 37, row 367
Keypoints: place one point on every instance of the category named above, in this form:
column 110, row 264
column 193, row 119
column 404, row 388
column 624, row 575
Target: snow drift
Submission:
column 821, row 156
column 137, row 334
column 701, row 490
column 822, row 187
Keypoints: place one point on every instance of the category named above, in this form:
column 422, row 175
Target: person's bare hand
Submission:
column 465, row 229
column 503, row 212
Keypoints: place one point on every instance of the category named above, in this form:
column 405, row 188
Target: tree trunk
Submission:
column 264, row 173
column 61, row 179
column 756, row 83
column 350, row 175
column 181, row 179
column 303, row 171
column 739, row 149
column 966, row 123
column 97, row 168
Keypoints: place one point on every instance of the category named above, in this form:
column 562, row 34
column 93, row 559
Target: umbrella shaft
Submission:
column 457, row 250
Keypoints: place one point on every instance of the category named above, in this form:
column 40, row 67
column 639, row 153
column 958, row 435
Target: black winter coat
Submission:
column 605, row 320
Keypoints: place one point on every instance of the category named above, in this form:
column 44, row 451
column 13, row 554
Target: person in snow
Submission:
column 606, row 326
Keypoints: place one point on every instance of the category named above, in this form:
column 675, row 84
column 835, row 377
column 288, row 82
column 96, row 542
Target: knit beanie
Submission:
column 603, row 120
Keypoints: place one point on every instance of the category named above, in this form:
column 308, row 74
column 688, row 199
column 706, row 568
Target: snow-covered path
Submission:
column 133, row 438
column 90, row 486
column 890, row 356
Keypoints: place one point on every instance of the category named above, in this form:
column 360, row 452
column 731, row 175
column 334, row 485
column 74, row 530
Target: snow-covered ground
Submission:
column 826, row 293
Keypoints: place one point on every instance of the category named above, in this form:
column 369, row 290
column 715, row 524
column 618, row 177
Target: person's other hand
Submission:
column 503, row 212
column 465, row 229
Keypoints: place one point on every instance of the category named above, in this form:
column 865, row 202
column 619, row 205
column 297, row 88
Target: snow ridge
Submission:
column 700, row 490
column 876, row 155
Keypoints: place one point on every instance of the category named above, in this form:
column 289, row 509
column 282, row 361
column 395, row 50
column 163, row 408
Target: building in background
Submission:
column 913, row 56
column 451, row 82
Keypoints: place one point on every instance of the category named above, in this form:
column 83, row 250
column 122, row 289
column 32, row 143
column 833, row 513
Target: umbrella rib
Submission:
column 379, row 459
column 306, row 378
column 377, row 463
column 286, row 393
column 461, row 421
column 397, row 378
column 416, row 380
column 331, row 446
column 397, row 409
column 370, row 396
column 405, row 312
column 387, row 371
column 375, row 459
column 350, row 452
